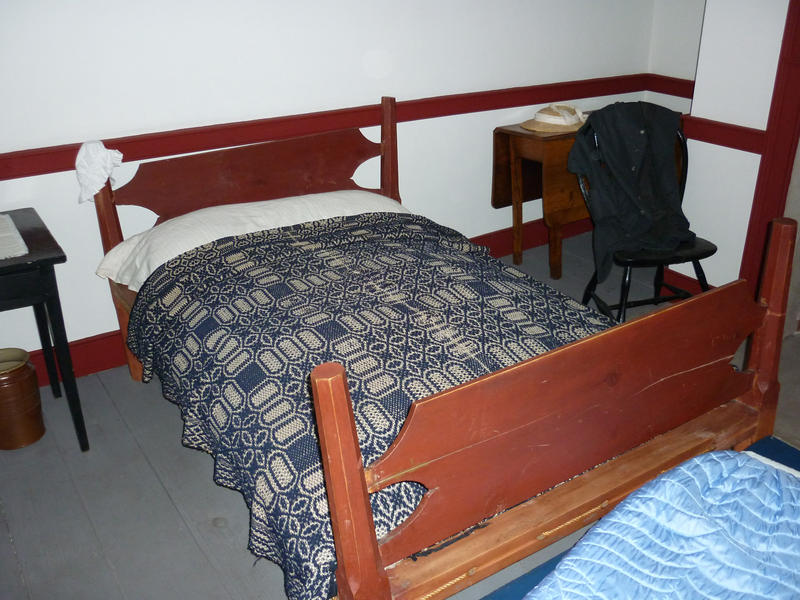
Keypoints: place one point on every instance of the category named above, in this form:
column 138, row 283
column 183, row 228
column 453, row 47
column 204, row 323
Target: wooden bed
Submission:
column 498, row 454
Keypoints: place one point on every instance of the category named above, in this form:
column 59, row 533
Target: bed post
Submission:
column 360, row 572
column 390, row 185
column 111, row 235
column 110, row 229
column 765, row 347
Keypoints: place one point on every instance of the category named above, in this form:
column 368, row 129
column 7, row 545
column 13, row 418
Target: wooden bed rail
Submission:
column 648, row 394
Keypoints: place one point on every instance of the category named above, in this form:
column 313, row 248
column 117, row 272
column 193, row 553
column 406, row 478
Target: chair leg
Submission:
column 590, row 287
column 623, row 295
column 701, row 276
column 658, row 281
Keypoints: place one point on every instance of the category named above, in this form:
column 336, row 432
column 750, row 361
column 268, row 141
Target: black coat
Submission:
column 626, row 151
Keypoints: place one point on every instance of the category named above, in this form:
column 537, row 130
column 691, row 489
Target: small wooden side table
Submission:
column 562, row 201
column 30, row 280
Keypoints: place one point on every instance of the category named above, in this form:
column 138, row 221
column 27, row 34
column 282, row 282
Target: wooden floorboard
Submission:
column 216, row 516
column 12, row 575
column 137, row 525
column 53, row 539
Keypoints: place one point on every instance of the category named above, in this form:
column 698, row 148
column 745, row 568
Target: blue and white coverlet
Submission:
column 723, row 525
column 233, row 329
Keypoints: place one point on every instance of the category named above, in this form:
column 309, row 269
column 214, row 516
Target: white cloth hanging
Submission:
column 94, row 165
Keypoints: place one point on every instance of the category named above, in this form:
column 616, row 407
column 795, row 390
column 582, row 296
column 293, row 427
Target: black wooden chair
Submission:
column 693, row 252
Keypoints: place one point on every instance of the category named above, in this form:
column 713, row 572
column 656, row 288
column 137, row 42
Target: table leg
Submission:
column 40, row 312
column 554, row 242
column 516, row 205
column 65, row 360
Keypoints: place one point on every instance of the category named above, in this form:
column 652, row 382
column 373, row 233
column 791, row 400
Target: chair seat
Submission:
column 697, row 250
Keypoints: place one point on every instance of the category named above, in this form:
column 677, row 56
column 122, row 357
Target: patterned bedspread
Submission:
column 233, row 329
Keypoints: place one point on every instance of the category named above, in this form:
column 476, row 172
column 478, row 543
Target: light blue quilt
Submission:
column 721, row 525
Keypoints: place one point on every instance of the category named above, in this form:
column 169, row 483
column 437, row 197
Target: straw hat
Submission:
column 556, row 118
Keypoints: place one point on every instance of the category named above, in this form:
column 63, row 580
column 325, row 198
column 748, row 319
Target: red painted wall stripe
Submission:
column 38, row 161
column 724, row 134
column 455, row 104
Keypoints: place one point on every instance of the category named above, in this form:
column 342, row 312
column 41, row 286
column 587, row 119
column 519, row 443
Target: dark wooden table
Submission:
column 562, row 202
column 30, row 280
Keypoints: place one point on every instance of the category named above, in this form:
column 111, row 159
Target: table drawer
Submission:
column 23, row 289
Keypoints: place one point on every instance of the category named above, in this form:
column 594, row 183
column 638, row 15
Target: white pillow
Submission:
column 131, row 261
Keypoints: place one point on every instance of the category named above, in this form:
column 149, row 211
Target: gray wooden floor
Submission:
column 139, row 517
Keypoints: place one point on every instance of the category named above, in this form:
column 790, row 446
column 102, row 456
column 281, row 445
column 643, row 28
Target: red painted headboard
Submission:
column 312, row 163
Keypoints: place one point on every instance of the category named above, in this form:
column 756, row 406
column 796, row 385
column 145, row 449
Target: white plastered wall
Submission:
column 94, row 70
column 736, row 67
